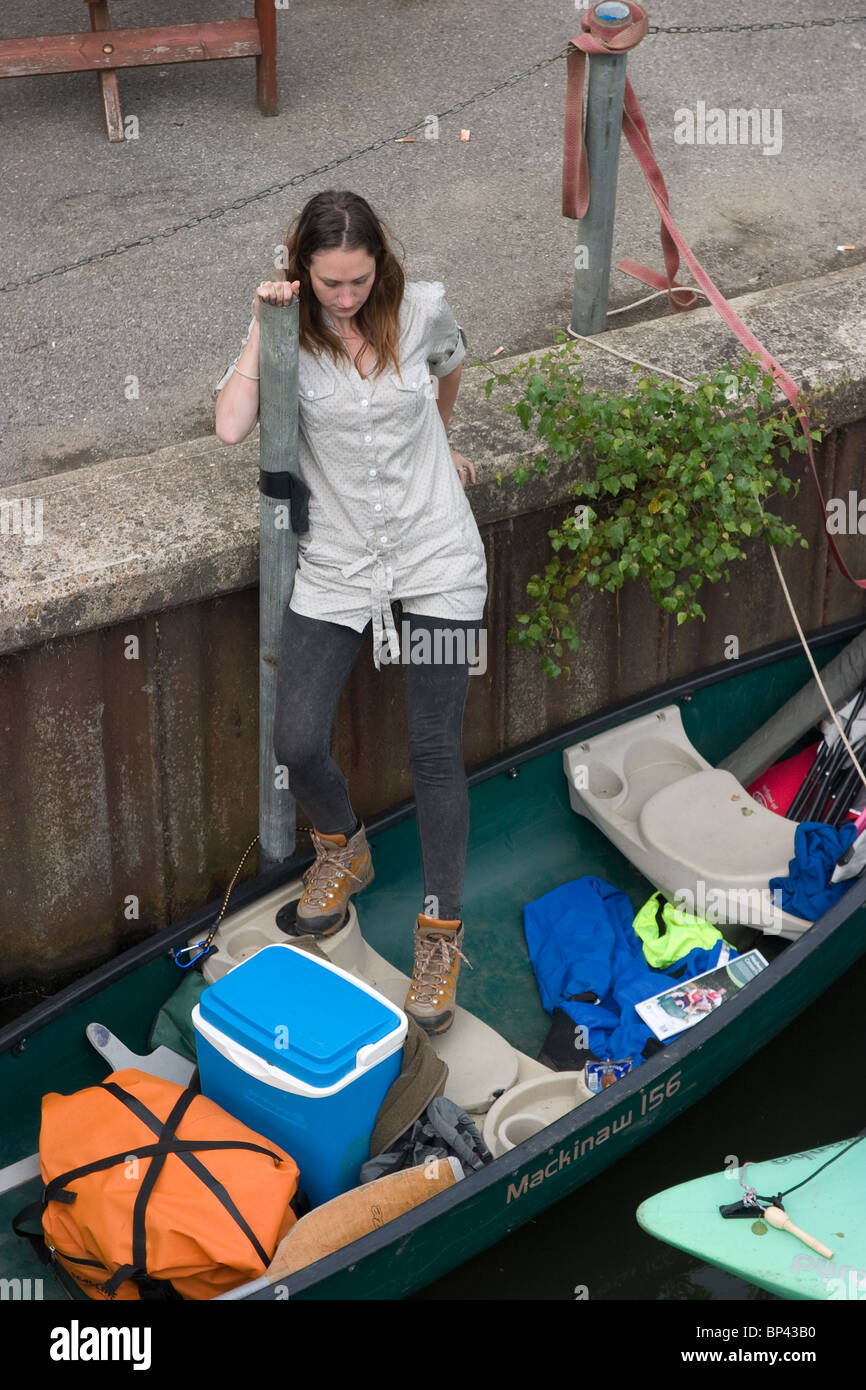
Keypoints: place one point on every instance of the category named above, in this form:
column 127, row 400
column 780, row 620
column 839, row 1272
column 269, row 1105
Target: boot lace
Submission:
column 331, row 867
column 433, row 960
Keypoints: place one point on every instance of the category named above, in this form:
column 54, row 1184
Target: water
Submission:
column 803, row 1090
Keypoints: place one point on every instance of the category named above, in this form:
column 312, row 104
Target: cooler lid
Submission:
column 299, row 1013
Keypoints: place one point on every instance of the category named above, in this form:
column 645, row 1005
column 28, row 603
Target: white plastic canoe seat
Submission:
column 690, row 828
column 531, row 1106
column 613, row 774
column 653, row 764
column 710, row 825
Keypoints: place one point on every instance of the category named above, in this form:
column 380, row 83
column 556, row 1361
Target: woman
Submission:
column 388, row 519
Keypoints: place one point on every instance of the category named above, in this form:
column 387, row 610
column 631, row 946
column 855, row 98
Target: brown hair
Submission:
column 344, row 221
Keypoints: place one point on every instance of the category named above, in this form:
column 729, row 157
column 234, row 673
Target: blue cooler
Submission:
column 304, row 1054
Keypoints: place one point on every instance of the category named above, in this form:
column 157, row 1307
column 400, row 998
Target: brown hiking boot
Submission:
column 431, row 1000
column 342, row 867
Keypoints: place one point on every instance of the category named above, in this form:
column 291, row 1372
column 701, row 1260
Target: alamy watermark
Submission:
column 841, row 1281
column 21, row 1290
column 21, row 516
column 752, row 906
column 847, row 518
column 737, row 126
column 83, row 1343
column 444, row 646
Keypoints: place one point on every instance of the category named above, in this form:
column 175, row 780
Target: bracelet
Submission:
column 246, row 374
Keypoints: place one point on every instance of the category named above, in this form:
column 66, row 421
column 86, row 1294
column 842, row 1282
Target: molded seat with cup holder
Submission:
column 530, row 1107
column 690, row 828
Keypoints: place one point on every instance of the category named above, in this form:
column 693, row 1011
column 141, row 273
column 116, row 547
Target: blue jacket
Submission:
column 807, row 890
column 581, row 939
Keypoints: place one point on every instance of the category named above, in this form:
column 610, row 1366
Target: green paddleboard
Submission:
column 831, row 1207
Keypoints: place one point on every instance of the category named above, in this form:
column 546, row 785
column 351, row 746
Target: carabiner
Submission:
column 206, row 951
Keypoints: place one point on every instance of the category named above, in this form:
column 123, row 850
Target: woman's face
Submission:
column 342, row 280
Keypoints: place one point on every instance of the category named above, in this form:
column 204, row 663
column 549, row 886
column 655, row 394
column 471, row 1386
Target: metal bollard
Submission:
column 605, row 88
column 278, row 556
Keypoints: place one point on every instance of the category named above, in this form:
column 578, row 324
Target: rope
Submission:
column 636, row 303
column 595, row 343
column 752, row 1198
column 203, row 947
column 811, row 660
column 860, row 1137
column 600, row 39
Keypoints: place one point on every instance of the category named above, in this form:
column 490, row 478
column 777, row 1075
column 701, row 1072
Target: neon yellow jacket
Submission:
column 669, row 934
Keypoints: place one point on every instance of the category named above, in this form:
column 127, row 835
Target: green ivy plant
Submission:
column 682, row 476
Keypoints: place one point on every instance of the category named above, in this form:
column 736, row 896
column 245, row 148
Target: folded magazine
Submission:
column 683, row 1005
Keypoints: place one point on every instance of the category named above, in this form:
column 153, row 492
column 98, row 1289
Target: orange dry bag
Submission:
column 153, row 1191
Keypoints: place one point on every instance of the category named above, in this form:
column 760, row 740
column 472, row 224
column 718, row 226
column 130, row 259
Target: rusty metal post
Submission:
column 605, row 89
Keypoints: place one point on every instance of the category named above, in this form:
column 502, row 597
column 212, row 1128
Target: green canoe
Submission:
column 831, row 1207
column 525, row 839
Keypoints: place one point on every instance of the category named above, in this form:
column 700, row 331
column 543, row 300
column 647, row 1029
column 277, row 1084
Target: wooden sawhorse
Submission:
column 104, row 49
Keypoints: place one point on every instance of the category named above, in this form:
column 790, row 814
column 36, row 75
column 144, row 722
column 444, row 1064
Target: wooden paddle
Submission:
column 358, row 1212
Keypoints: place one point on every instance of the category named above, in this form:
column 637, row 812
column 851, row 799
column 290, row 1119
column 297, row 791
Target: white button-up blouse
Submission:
column 388, row 517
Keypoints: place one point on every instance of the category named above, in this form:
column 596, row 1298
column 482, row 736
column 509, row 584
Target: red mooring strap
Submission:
column 575, row 202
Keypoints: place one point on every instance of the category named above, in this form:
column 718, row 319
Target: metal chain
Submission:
column 751, row 28
column 275, row 188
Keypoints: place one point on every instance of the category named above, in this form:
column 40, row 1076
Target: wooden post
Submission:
column 278, row 557
column 605, row 88
column 108, row 89
column 266, row 63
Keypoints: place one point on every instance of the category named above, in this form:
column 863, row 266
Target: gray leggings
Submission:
column 316, row 658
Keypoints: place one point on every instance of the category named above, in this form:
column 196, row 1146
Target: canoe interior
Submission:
column 524, row 841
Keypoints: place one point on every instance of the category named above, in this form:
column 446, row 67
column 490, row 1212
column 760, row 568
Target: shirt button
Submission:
column 364, row 404
column 372, row 472
column 378, row 507
column 367, row 438
column 383, row 539
column 310, row 393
